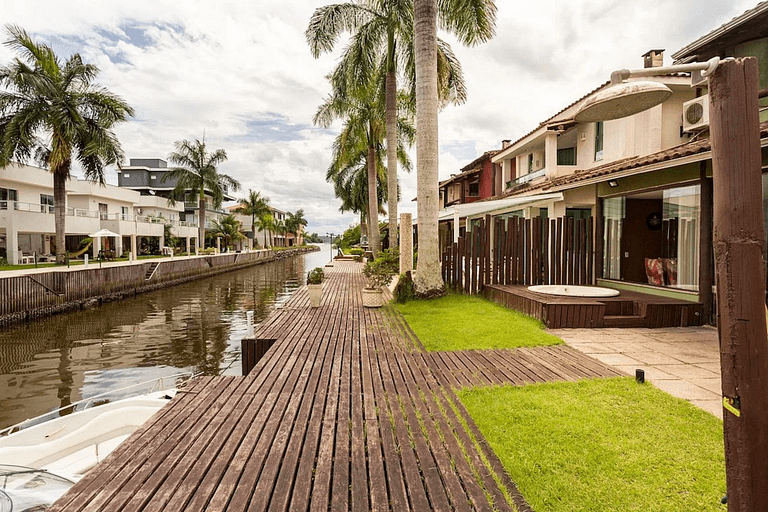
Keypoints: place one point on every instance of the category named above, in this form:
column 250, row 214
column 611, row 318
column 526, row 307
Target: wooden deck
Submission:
column 629, row 309
column 345, row 412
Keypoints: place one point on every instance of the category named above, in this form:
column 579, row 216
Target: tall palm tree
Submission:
column 254, row 205
column 196, row 171
column 281, row 230
column 228, row 228
column 295, row 222
column 473, row 22
column 382, row 36
column 266, row 224
column 43, row 97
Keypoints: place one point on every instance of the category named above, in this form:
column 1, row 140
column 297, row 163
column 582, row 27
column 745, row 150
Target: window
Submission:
column 8, row 194
column 152, row 177
column 530, row 162
column 46, row 203
column 474, row 189
column 126, row 175
column 599, row 141
column 566, row 156
column 124, row 212
column 102, row 211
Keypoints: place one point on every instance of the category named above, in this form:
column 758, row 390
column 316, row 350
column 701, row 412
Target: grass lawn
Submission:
column 461, row 322
column 603, row 444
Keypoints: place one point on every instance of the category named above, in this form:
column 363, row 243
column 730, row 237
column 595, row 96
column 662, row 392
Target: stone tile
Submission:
column 651, row 372
column 692, row 356
column 651, row 357
column 592, row 348
column 713, row 367
column 713, row 385
column 685, row 390
column 688, row 371
column 616, row 359
column 714, row 407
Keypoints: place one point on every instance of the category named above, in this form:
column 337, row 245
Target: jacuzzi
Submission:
column 574, row 290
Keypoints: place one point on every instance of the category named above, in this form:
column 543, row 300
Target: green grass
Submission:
column 461, row 322
column 603, row 444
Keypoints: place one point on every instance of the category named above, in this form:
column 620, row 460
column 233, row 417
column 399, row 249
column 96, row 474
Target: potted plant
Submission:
column 315, row 279
column 379, row 273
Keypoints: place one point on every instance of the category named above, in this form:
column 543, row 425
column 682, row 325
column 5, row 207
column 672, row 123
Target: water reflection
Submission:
column 196, row 326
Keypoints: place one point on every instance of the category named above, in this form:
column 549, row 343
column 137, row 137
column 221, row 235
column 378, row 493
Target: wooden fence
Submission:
column 521, row 251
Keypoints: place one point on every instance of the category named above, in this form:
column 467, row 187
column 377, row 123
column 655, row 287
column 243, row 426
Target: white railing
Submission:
column 93, row 214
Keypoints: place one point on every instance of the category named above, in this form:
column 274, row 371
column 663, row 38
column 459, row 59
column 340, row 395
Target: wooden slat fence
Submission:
column 521, row 251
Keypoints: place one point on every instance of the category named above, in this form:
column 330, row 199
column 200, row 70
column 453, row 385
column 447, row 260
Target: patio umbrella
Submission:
column 102, row 233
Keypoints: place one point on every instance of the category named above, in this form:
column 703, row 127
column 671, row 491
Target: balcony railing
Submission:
column 92, row 214
column 527, row 177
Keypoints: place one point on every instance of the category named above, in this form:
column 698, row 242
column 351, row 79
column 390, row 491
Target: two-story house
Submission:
column 27, row 224
column 147, row 176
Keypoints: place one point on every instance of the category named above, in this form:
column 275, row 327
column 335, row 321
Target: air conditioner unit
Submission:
column 696, row 114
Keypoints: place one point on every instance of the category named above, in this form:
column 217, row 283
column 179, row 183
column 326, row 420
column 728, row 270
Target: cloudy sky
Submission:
column 241, row 72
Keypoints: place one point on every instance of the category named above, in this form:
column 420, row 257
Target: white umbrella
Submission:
column 102, row 233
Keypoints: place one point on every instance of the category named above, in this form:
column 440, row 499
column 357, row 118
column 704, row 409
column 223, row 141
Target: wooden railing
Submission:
column 521, row 251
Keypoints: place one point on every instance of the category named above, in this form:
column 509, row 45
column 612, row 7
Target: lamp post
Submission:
column 738, row 246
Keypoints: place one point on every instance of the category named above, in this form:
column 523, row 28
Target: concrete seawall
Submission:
column 40, row 294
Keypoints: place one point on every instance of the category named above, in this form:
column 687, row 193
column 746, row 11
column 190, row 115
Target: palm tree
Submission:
column 254, row 205
column 281, row 230
column 473, row 22
column 196, row 171
column 383, row 36
column 42, row 96
column 295, row 222
column 266, row 224
column 228, row 228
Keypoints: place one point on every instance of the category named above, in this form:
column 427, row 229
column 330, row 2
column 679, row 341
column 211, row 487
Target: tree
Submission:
column 361, row 140
column 254, row 205
column 473, row 22
column 280, row 229
column 295, row 222
column 266, row 224
column 63, row 104
column 382, row 35
column 228, row 229
column 196, row 171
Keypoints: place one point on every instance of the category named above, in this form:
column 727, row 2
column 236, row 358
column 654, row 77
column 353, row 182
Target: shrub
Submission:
column 356, row 251
column 404, row 291
column 380, row 271
column 315, row 276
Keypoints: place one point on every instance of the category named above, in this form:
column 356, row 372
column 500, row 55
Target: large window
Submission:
column 681, row 226
column 614, row 210
column 8, row 195
column 46, row 203
column 566, row 156
column 599, row 140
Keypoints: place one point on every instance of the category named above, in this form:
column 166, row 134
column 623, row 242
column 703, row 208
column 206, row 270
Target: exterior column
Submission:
column 134, row 247
column 189, row 253
column 550, row 154
column 12, row 244
column 96, row 246
column 406, row 243
column 118, row 246
column 162, row 242
column 218, row 245
column 456, row 220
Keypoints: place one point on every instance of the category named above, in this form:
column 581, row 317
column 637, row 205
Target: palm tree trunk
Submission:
column 60, row 212
column 428, row 281
column 374, row 243
column 201, row 227
column 363, row 225
column 391, row 112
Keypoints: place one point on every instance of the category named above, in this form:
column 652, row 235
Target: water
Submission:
column 195, row 326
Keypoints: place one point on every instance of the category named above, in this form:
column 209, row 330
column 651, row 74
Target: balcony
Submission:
column 526, row 178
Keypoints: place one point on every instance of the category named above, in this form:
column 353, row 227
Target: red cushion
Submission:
column 655, row 271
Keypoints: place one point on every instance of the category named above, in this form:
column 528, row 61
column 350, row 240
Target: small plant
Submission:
column 208, row 251
column 404, row 291
column 356, row 251
column 315, row 276
column 380, row 271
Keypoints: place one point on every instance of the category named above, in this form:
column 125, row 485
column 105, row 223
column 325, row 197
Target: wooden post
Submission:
column 738, row 240
column 406, row 243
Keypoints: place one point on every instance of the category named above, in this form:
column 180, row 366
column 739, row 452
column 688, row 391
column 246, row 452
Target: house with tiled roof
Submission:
column 644, row 179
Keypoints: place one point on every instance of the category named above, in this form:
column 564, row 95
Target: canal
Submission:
column 196, row 327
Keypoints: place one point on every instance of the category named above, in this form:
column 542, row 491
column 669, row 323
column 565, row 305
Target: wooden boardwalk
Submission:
column 346, row 412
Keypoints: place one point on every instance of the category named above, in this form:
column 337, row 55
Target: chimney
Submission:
column 506, row 143
column 653, row 58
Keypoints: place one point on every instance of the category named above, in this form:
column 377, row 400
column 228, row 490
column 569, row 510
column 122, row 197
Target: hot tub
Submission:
column 574, row 291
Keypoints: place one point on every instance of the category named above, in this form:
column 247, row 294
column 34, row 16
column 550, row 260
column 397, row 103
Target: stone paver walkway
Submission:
column 683, row 361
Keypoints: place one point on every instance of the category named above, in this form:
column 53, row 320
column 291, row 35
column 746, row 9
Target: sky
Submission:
column 241, row 74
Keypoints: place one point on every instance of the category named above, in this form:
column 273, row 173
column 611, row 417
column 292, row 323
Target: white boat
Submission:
column 40, row 459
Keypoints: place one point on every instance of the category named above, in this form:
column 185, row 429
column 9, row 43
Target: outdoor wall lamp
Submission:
column 613, row 183
column 622, row 99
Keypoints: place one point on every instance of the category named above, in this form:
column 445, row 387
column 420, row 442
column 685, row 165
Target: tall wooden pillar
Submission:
column 738, row 242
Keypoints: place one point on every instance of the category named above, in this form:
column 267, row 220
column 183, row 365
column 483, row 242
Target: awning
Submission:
column 483, row 207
